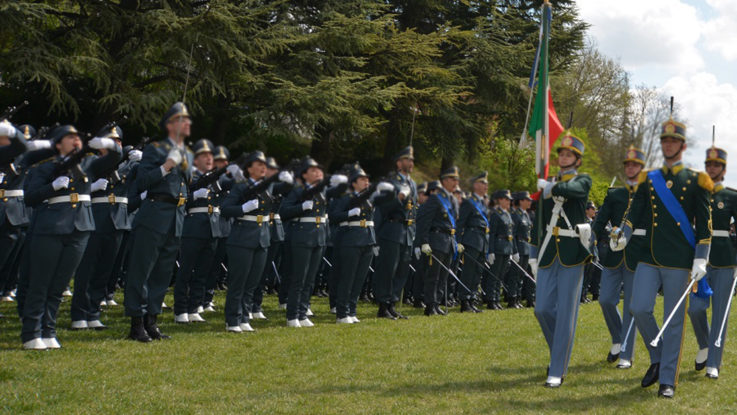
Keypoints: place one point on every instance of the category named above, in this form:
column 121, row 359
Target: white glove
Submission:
column 250, row 205
column 533, row 266
column 235, row 172
column 143, row 195
column 404, row 190
column 200, row 193
column 491, row 258
column 99, row 142
column 135, row 155
column 461, row 248
column 337, row 179
column 307, row 205
column 175, row 155
column 61, row 182
column 99, row 184
column 384, row 186
column 425, row 248
column 417, row 253
column 515, row 258
column 34, row 145
column 542, row 183
column 699, row 269
column 6, row 129
column 286, row 177
column 354, row 212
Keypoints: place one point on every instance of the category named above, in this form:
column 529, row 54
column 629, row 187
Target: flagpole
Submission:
column 531, row 83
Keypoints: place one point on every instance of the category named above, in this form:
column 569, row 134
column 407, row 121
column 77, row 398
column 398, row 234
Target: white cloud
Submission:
column 705, row 101
column 720, row 33
column 660, row 33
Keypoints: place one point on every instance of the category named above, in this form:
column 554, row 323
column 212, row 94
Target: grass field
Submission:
column 493, row 362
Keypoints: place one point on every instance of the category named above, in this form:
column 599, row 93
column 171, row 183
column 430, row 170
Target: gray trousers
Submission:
column 613, row 281
column 648, row 279
column 720, row 281
column 471, row 275
column 558, row 296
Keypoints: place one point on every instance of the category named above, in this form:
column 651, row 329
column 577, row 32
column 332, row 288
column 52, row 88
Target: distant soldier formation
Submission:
column 161, row 214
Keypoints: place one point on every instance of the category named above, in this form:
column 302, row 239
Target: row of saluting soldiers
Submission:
column 76, row 209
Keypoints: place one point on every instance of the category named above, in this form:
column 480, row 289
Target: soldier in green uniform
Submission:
column 473, row 225
column 13, row 214
column 436, row 229
column 522, row 227
column 63, row 223
column 720, row 271
column 305, row 207
column 110, row 212
column 200, row 231
column 410, row 287
column 559, row 251
column 396, row 236
column 619, row 267
column 157, row 228
column 502, row 248
column 672, row 204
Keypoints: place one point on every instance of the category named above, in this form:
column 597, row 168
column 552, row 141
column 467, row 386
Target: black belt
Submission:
column 445, row 231
column 163, row 197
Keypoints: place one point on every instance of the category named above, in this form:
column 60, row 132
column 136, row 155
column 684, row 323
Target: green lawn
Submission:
column 486, row 363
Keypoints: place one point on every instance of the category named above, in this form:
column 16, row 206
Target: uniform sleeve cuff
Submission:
column 702, row 251
column 163, row 171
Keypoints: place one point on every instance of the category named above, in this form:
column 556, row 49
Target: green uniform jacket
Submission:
column 474, row 227
column 522, row 226
column 351, row 235
column 723, row 209
column 202, row 225
column 434, row 227
column 501, row 239
column 575, row 189
column 612, row 211
column 397, row 217
column 665, row 245
column 300, row 233
column 247, row 234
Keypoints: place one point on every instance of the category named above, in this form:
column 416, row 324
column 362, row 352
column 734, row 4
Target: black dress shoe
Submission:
column 699, row 366
column 530, row 303
column 430, row 311
column 439, row 311
column 418, row 304
column 149, row 323
column 611, row 358
column 466, row 306
column 666, row 391
column 138, row 332
column 498, row 306
column 652, row 375
column 384, row 312
column 395, row 313
column 474, row 308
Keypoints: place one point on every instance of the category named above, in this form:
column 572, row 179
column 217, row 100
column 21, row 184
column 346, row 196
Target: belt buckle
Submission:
column 259, row 219
column 74, row 197
column 410, row 222
column 510, row 237
column 318, row 220
column 181, row 201
column 555, row 230
column 452, row 231
column 487, row 229
column 363, row 223
column 209, row 209
column 111, row 198
column 2, row 193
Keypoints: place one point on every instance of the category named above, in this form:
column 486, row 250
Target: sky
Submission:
column 684, row 48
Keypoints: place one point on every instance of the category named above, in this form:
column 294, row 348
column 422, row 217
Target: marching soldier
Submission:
column 157, row 228
column 110, row 212
column 559, row 250
column 59, row 191
column 436, row 228
column 473, row 223
column 502, row 248
column 619, row 267
column 354, row 243
column 307, row 234
column 200, row 231
column 396, row 236
column 522, row 227
column 249, row 204
column 672, row 203
column 719, row 273
column 13, row 214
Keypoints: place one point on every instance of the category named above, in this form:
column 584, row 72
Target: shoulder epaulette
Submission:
column 44, row 161
column 705, row 181
column 643, row 175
